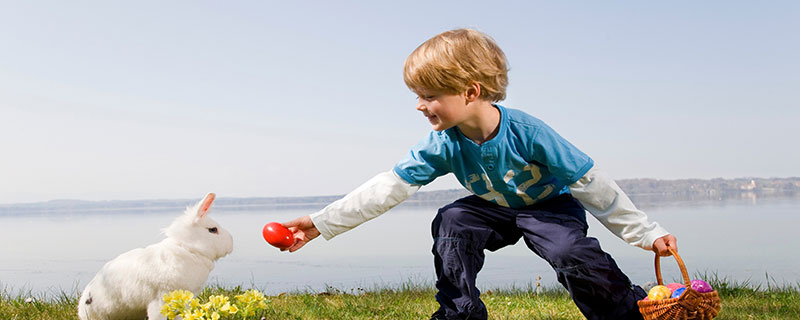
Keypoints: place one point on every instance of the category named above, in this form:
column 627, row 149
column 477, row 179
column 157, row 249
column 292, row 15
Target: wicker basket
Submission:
column 690, row 305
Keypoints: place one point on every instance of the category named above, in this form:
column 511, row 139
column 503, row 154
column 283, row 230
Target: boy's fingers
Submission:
column 674, row 246
column 303, row 230
column 297, row 246
column 662, row 245
column 671, row 242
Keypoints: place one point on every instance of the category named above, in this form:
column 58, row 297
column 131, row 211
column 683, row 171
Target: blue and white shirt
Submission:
column 526, row 162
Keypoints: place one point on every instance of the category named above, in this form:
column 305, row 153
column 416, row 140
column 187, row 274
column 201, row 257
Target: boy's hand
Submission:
column 303, row 230
column 661, row 244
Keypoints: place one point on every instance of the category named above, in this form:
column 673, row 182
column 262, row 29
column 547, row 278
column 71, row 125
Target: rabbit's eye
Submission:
column 212, row 230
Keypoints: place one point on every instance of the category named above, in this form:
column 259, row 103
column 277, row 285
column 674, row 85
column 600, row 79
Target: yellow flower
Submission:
column 194, row 304
column 216, row 302
column 219, row 300
column 176, row 303
column 229, row 308
column 196, row 314
column 167, row 311
column 250, row 301
column 183, row 303
column 249, row 296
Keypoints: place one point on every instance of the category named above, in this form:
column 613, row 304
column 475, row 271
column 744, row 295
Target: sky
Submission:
column 114, row 100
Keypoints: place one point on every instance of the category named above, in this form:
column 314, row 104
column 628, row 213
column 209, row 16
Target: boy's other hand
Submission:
column 303, row 230
column 661, row 244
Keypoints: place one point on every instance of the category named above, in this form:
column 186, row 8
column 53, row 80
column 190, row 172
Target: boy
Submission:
column 527, row 182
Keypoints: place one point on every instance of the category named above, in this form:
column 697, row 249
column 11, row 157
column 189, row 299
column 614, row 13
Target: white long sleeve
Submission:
column 604, row 199
column 371, row 199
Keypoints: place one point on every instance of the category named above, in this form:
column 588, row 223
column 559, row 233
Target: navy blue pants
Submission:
column 554, row 229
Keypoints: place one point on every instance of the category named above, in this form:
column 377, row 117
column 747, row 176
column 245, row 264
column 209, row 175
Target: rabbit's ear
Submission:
column 202, row 210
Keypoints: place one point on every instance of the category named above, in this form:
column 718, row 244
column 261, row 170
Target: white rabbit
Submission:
column 132, row 285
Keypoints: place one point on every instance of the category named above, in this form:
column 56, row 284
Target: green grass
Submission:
column 410, row 301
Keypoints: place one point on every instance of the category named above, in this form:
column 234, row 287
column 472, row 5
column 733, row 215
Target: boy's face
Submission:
column 443, row 111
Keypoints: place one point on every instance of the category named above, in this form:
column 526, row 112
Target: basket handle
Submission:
column 682, row 266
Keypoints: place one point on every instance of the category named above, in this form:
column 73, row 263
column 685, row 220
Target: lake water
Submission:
column 743, row 241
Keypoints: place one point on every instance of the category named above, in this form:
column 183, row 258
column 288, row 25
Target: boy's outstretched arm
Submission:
column 604, row 199
column 304, row 231
column 371, row 199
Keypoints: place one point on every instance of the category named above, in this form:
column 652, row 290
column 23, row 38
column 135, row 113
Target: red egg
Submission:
column 277, row 235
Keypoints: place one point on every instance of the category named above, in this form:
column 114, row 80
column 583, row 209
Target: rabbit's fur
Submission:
column 132, row 285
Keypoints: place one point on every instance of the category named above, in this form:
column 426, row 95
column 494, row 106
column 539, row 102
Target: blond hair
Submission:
column 451, row 61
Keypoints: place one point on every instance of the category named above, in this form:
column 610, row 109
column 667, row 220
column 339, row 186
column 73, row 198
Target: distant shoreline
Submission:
column 643, row 192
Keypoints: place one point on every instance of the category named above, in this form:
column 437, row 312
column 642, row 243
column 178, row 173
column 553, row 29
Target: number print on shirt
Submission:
column 522, row 186
column 492, row 195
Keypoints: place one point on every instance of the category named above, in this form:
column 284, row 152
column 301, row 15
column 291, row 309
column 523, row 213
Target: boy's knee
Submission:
column 562, row 255
column 565, row 254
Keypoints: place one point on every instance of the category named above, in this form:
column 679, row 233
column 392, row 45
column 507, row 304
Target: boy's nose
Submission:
column 420, row 106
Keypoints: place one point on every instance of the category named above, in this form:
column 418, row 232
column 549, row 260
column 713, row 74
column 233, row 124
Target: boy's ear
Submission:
column 473, row 91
